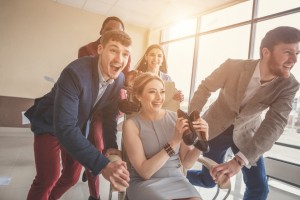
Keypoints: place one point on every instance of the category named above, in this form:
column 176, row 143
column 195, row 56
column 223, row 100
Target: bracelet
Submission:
column 170, row 151
column 238, row 162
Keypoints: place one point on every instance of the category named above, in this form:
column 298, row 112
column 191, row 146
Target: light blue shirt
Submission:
column 102, row 85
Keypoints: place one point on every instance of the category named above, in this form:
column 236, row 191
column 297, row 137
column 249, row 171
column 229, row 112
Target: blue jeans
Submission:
column 254, row 178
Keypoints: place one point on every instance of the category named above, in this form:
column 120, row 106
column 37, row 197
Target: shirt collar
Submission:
column 256, row 75
column 102, row 82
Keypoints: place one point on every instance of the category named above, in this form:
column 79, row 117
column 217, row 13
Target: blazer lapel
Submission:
column 264, row 92
column 105, row 96
column 95, row 80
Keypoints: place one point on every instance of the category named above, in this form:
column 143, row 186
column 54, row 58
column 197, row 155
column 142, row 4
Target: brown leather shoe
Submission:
column 190, row 136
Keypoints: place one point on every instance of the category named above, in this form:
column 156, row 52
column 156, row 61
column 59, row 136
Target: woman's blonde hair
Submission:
column 142, row 80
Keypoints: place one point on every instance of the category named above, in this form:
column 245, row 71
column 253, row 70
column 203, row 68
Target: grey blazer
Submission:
column 252, row 135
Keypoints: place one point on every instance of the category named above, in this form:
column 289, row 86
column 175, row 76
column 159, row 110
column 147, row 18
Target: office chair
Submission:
column 206, row 162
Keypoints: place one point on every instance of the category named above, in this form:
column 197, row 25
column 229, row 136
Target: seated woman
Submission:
column 153, row 142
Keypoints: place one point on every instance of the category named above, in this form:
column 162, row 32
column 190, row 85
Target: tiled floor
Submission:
column 17, row 171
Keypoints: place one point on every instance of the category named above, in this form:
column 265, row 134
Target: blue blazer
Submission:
column 65, row 110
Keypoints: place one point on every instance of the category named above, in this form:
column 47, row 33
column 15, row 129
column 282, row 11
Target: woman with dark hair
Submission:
column 154, row 60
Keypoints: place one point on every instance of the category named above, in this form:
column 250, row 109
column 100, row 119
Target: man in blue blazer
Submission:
column 96, row 132
column 247, row 88
column 60, row 120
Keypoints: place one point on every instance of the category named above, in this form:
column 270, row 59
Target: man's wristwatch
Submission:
column 238, row 162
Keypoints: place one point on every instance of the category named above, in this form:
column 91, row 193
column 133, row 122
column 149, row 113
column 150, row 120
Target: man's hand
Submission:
column 117, row 174
column 112, row 151
column 222, row 172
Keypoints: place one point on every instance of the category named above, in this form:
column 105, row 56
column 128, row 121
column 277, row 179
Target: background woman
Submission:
column 154, row 60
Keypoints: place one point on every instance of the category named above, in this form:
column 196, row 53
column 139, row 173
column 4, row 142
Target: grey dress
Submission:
column 168, row 182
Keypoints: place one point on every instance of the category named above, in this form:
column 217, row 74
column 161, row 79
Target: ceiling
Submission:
column 149, row 14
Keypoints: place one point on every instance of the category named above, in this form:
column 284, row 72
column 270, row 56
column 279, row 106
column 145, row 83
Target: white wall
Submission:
column 40, row 37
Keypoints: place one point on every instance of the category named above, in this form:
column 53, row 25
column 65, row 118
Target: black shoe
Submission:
column 92, row 198
column 84, row 178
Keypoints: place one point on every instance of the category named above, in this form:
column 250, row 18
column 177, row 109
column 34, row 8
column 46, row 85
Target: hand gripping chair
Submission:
column 122, row 193
column 206, row 162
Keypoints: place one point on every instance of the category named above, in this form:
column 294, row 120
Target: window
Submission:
column 233, row 33
column 277, row 6
column 227, row 16
column 182, row 29
column 263, row 27
column 180, row 63
column 217, row 47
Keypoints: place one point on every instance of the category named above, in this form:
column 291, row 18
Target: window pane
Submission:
column 180, row 62
column 184, row 28
column 277, row 6
column 263, row 27
column 216, row 48
column 234, row 14
column 285, row 153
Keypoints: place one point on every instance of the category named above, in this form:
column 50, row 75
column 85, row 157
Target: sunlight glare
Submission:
column 183, row 28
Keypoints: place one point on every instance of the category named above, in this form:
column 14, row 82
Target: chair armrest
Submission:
column 207, row 162
column 112, row 158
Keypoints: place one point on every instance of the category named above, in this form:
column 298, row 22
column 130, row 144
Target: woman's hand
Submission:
column 178, row 96
column 201, row 127
column 189, row 154
column 181, row 126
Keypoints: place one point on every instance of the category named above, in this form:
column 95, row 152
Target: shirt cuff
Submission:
column 243, row 157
